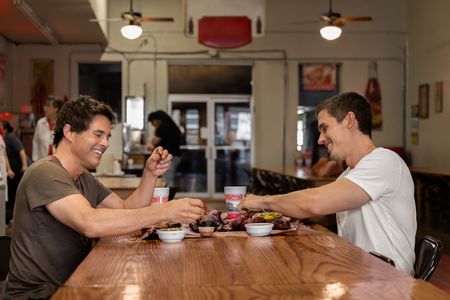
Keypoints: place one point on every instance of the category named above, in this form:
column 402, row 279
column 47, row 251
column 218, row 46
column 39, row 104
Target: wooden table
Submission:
column 314, row 180
column 432, row 191
column 309, row 264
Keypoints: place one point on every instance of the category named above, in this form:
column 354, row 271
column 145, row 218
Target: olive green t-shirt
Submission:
column 44, row 251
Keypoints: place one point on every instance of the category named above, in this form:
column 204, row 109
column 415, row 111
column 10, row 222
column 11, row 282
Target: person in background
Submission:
column 18, row 162
column 326, row 167
column 60, row 205
column 43, row 132
column 5, row 168
column 373, row 197
column 167, row 135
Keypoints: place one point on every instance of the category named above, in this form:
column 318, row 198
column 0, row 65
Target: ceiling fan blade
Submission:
column 105, row 20
column 353, row 19
column 150, row 19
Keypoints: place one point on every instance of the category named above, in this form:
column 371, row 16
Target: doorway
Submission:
column 216, row 141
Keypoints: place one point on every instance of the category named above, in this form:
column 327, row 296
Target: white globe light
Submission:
column 330, row 32
column 131, row 32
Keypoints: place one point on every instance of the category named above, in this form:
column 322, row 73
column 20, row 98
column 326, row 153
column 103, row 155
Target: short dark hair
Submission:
column 339, row 105
column 54, row 101
column 78, row 113
column 8, row 127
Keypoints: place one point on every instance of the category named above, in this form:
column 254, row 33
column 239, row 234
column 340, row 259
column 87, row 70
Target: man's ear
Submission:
column 350, row 119
column 67, row 133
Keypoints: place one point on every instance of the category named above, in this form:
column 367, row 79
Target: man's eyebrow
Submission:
column 321, row 126
column 100, row 131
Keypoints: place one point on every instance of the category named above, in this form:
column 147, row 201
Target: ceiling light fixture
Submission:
column 330, row 32
column 131, row 31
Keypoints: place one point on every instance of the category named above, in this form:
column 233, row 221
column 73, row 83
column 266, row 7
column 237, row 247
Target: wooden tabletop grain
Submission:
column 311, row 263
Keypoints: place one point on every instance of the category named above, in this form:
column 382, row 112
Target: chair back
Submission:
column 5, row 250
column 428, row 253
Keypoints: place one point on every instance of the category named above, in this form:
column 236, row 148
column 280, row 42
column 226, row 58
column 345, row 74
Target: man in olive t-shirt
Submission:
column 46, row 250
column 60, row 205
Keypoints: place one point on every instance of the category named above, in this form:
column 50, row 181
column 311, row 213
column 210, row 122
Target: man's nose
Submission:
column 321, row 139
column 105, row 142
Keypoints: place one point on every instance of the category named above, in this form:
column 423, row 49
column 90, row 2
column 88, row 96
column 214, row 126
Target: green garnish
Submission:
column 171, row 229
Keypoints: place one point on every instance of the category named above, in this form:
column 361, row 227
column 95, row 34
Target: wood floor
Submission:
column 441, row 276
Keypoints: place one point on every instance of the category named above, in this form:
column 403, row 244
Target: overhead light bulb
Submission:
column 330, row 32
column 131, row 31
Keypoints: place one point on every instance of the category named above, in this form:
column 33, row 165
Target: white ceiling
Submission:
column 67, row 19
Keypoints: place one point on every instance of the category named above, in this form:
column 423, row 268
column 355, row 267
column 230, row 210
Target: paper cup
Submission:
column 160, row 195
column 234, row 196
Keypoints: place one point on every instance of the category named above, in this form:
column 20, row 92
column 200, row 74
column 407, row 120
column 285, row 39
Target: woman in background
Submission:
column 167, row 135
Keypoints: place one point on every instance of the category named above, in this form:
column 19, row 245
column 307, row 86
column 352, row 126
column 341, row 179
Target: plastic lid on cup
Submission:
column 161, row 192
column 235, row 190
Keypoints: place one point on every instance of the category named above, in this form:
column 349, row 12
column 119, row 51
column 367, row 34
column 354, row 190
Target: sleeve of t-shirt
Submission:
column 47, row 183
column 102, row 191
column 377, row 173
column 16, row 145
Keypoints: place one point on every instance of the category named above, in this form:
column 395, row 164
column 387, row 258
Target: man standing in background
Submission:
column 43, row 133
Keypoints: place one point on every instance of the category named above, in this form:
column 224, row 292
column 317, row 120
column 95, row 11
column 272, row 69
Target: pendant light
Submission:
column 131, row 31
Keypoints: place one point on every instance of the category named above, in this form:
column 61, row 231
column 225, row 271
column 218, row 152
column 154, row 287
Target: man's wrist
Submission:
column 263, row 203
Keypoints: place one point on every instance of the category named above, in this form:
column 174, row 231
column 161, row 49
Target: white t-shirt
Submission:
column 3, row 173
column 43, row 137
column 387, row 223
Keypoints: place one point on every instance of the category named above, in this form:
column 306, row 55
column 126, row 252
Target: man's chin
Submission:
column 333, row 157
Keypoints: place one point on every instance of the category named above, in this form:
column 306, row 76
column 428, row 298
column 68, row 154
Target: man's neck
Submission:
column 67, row 160
column 359, row 150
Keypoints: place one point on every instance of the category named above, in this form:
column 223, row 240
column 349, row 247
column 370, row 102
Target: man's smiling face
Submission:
column 89, row 146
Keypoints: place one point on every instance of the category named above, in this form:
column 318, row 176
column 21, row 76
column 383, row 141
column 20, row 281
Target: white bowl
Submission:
column 171, row 236
column 206, row 231
column 259, row 229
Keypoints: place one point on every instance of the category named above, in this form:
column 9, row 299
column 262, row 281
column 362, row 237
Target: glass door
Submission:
column 215, row 144
column 231, row 144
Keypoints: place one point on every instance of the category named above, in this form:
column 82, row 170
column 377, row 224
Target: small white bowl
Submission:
column 259, row 229
column 171, row 236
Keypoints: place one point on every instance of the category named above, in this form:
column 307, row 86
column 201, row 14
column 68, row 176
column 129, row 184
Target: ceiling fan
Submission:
column 335, row 18
column 133, row 29
column 333, row 21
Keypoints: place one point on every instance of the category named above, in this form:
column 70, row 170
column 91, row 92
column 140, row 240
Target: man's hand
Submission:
column 158, row 162
column 185, row 210
column 11, row 174
column 252, row 202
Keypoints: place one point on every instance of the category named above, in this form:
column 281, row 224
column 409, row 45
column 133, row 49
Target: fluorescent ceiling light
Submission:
column 131, row 31
column 330, row 32
column 37, row 21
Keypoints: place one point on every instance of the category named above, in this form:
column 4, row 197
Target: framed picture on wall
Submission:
column 438, row 95
column 423, row 101
column 319, row 77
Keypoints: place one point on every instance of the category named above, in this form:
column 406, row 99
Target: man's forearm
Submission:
column 142, row 195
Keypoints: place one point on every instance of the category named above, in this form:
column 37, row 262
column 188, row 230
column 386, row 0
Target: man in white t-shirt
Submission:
column 373, row 197
column 43, row 132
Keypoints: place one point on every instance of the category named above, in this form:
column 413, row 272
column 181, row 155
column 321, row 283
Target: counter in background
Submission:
column 123, row 186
